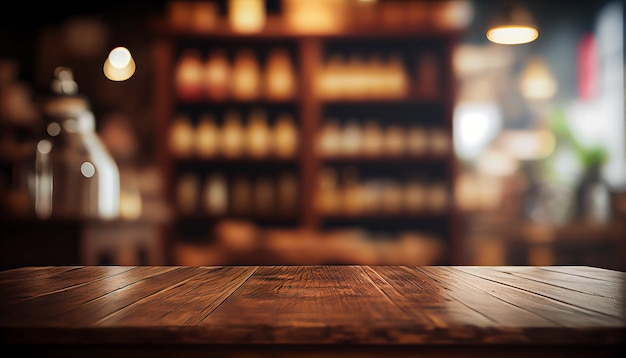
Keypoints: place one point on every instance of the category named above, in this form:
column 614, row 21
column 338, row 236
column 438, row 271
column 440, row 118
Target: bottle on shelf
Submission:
column 246, row 16
column 206, row 138
column 264, row 196
column 372, row 145
column 241, row 195
column 216, row 194
column 417, row 140
column 245, row 76
column 187, row 193
column 189, row 75
column 217, row 73
column 286, row 194
column 327, row 194
column 351, row 138
column 232, row 135
column 279, row 76
column 182, row 136
column 329, row 139
column 284, row 137
column 257, row 135
column 394, row 143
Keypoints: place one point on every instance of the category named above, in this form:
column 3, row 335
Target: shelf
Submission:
column 237, row 102
column 386, row 159
column 276, row 29
column 383, row 101
column 236, row 160
column 257, row 218
column 311, row 108
column 387, row 216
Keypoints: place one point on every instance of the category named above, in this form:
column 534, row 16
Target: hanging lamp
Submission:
column 514, row 25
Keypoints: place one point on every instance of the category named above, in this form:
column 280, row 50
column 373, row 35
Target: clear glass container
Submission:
column 75, row 176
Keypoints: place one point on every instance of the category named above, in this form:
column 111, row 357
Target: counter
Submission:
column 330, row 310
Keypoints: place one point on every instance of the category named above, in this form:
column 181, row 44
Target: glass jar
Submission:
column 75, row 176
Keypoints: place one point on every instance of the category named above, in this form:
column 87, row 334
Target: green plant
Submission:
column 588, row 156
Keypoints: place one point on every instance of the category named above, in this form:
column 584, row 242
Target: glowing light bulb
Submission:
column 119, row 66
column 119, row 57
column 512, row 35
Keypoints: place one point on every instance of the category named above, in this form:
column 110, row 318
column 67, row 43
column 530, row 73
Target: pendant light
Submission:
column 514, row 25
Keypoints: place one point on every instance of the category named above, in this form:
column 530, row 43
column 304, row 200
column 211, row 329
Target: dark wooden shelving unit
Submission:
column 309, row 52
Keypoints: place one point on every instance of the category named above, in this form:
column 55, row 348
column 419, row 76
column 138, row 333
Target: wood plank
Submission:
column 559, row 313
column 462, row 289
column 186, row 303
column 28, row 283
column 417, row 294
column 588, row 285
column 591, row 303
column 591, row 272
column 307, row 304
column 70, row 306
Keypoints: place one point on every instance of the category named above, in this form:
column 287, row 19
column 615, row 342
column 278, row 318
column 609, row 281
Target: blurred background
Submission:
column 312, row 132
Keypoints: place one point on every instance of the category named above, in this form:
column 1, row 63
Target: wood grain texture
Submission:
column 400, row 306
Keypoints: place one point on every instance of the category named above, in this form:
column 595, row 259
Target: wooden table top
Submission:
column 560, row 305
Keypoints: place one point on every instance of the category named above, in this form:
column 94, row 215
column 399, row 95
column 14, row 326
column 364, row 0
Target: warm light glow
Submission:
column 119, row 66
column 536, row 81
column 119, row 57
column 496, row 162
column 130, row 205
column 246, row 15
column 512, row 35
column 475, row 125
column 531, row 144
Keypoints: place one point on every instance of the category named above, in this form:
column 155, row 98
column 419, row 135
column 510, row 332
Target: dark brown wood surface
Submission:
column 286, row 305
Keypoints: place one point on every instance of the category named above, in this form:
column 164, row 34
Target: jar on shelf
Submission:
column 75, row 175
